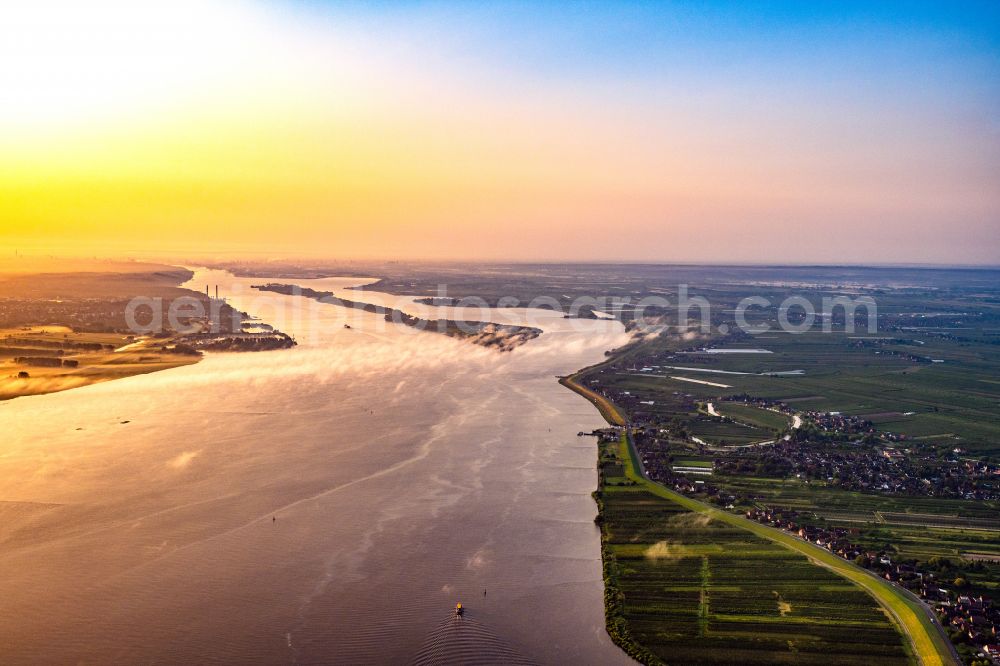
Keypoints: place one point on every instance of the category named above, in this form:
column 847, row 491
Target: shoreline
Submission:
column 53, row 359
column 922, row 636
column 12, row 388
column 501, row 337
column 61, row 331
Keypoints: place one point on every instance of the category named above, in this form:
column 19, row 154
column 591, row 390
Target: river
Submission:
column 325, row 504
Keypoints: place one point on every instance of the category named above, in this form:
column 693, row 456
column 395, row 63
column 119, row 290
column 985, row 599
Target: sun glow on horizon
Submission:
column 427, row 132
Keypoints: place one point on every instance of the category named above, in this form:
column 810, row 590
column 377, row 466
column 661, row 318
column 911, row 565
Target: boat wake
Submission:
column 462, row 639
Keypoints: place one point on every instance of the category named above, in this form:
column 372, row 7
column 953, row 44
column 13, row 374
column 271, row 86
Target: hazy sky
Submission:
column 770, row 132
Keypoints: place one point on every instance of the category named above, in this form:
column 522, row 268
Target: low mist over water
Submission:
column 329, row 503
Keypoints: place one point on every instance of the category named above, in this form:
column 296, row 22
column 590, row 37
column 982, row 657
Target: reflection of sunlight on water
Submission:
column 308, row 320
column 183, row 460
column 394, row 462
column 327, row 352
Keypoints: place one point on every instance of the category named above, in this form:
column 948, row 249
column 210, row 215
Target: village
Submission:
column 836, row 452
column 863, row 468
column 842, row 450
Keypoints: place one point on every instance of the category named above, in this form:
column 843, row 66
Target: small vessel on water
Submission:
column 459, row 611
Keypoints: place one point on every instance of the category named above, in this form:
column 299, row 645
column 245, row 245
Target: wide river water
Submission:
column 325, row 504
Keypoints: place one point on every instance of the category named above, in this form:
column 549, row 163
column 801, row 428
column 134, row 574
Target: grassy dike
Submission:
column 926, row 642
column 604, row 406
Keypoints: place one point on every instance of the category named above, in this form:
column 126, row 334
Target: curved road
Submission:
column 928, row 641
column 932, row 647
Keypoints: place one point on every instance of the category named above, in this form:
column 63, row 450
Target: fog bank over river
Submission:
column 406, row 471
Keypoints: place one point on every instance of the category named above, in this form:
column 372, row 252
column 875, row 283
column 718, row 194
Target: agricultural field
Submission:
column 932, row 390
column 912, row 528
column 726, row 433
column 747, row 414
column 686, row 588
column 699, row 592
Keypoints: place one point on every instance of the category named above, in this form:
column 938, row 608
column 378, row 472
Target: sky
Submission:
column 757, row 132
